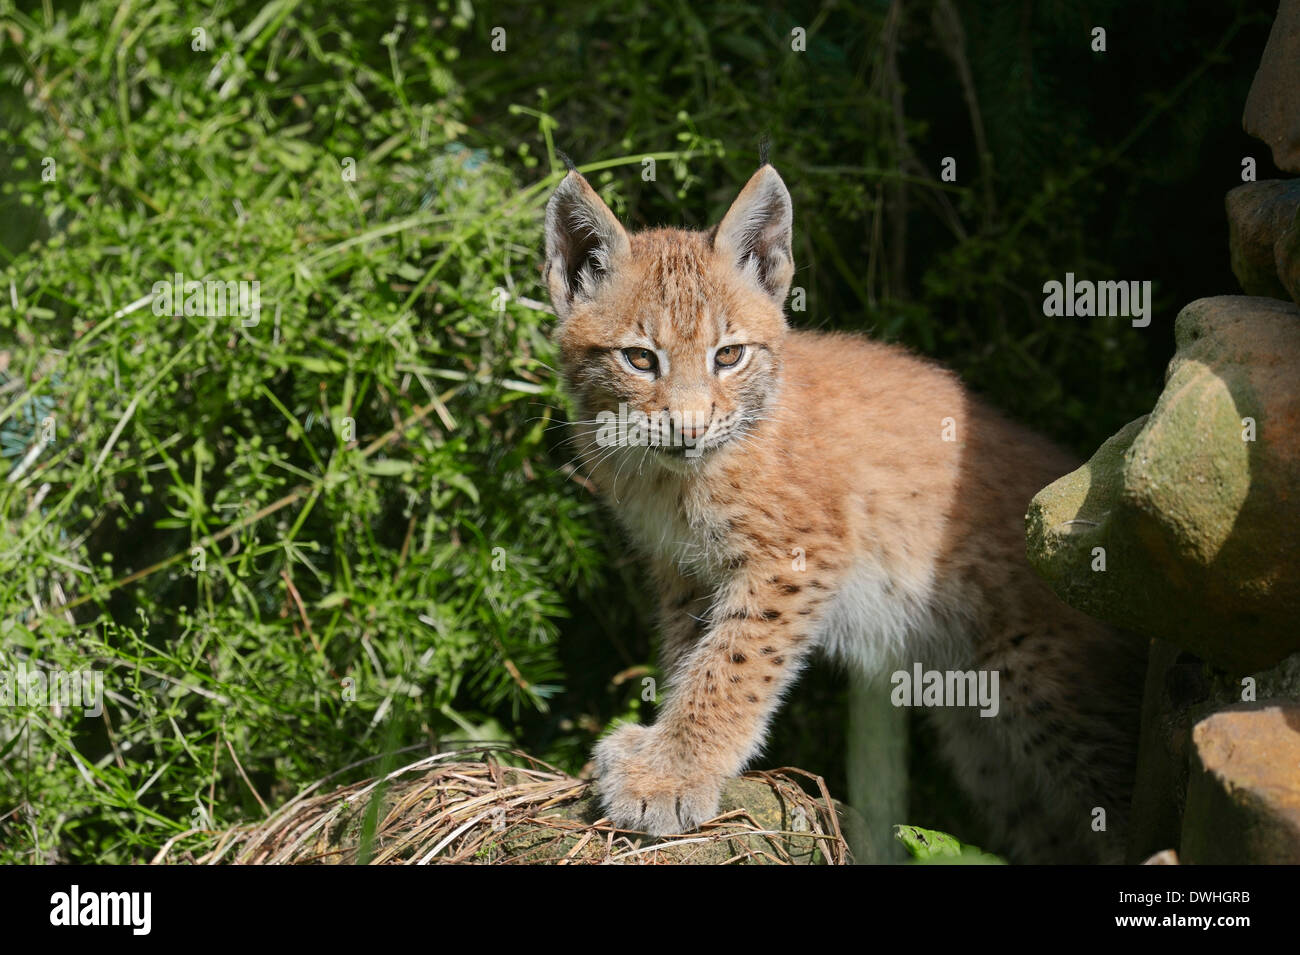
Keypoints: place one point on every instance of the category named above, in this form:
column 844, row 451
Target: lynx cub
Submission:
column 795, row 490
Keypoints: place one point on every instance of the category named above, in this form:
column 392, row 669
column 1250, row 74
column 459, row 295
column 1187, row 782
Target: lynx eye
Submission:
column 728, row 356
column 642, row 359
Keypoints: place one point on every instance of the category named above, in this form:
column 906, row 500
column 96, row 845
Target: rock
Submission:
column 1243, row 796
column 1273, row 106
column 1259, row 213
column 765, row 808
column 1286, row 257
column 1163, row 857
column 446, row 809
column 1181, row 690
column 1198, row 526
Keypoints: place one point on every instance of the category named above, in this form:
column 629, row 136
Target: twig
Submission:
column 251, row 788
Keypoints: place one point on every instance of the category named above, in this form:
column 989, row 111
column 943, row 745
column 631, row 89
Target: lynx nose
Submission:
column 694, row 424
column 694, row 431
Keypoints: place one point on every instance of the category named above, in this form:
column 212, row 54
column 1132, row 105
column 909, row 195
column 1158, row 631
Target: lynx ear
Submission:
column 756, row 233
column 584, row 242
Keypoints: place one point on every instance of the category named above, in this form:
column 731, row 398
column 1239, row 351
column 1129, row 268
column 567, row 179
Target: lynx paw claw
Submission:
column 643, row 788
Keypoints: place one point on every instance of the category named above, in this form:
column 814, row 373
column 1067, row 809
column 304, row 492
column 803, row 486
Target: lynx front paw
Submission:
column 643, row 787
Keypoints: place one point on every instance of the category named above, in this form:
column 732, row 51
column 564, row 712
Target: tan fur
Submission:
column 826, row 510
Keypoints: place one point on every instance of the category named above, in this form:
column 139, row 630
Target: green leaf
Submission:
column 388, row 467
column 319, row 366
column 463, row 483
column 932, row 846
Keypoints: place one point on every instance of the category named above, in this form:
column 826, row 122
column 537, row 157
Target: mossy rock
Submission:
column 565, row 833
column 443, row 810
column 1186, row 524
column 1260, row 219
column 1243, row 795
column 1273, row 104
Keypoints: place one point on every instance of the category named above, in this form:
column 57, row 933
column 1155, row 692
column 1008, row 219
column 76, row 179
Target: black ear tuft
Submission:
column 584, row 242
column 764, row 150
column 756, row 233
column 564, row 158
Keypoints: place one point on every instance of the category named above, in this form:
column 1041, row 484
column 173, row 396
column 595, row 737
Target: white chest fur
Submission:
column 675, row 523
column 880, row 622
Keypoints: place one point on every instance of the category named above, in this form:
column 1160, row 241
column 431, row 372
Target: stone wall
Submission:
column 1184, row 530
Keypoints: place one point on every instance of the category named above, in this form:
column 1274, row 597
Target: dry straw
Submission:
column 501, row 806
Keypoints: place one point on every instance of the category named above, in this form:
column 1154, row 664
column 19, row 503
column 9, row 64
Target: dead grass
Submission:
column 500, row 806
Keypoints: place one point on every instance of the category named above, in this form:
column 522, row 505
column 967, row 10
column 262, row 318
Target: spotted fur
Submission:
column 825, row 509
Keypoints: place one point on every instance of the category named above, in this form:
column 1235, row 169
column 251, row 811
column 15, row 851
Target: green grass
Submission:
column 232, row 520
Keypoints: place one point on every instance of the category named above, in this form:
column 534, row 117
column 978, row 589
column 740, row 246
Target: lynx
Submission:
column 803, row 491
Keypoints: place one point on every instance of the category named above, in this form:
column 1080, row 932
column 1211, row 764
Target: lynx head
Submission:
column 684, row 328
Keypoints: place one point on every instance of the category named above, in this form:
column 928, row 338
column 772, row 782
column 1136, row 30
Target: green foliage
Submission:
column 245, row 516
column 934, row 847
column 394, row 553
